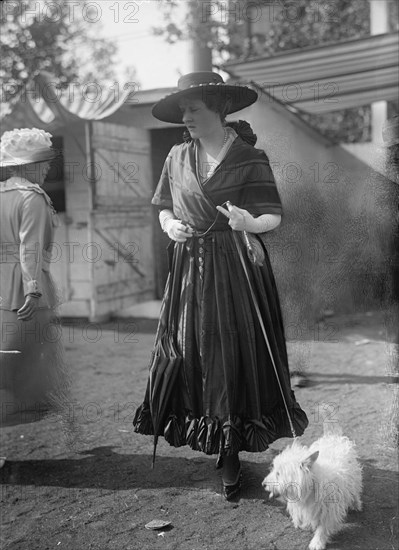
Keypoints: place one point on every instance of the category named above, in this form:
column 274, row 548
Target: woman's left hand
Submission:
column 237, row 216
column 28, row 310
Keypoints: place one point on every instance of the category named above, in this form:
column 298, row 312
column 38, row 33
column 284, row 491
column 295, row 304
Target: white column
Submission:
column 200, row 54
column 379, row 16
column 379, row 24
column 200, row 57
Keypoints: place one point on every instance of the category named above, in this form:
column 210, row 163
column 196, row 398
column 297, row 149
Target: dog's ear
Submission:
column 309, row 461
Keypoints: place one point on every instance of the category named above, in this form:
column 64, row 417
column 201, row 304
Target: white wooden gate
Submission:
column 121, row 252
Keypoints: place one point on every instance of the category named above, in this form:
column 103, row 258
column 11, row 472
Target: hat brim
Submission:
column 168, row 110
column 11, row 162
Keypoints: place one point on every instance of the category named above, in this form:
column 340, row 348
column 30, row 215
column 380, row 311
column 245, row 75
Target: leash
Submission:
column 250, row 250
column 237, row 242
column 198, row 234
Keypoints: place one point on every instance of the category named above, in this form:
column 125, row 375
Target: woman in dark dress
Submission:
column 227, row 397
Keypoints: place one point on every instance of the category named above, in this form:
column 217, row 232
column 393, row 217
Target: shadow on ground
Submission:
column 104, row 467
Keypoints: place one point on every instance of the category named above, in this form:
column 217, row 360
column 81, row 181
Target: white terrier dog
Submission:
column 319, row 483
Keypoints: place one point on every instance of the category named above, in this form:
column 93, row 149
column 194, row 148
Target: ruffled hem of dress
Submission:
column 212, row 436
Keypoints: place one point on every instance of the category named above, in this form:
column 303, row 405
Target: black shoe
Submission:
column 231, row 490
column 232, row 486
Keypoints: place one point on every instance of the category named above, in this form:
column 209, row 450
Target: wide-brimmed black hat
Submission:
column 204, row 84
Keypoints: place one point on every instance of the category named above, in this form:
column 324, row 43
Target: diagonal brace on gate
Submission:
column 125, row 255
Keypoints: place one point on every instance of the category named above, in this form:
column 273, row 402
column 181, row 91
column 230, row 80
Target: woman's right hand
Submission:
column 178, row 231
column 28, row 310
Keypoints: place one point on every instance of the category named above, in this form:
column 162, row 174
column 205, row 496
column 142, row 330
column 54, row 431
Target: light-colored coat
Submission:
column 27, row 222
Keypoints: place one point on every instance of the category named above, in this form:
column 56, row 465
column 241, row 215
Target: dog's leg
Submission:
column 319, row 539
column 295, row 514
column 357, row 504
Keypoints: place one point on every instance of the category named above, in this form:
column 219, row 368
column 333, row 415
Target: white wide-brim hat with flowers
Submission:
column 25, row 146
column 206, row 84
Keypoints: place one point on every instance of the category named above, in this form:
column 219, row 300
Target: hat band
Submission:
column 27, row 157
column 205, row 84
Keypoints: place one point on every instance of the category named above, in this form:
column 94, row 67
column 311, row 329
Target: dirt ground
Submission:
column 99, row 492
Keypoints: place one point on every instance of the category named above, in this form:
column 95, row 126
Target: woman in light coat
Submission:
column 33, row 377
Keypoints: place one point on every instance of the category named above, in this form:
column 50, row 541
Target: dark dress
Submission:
column 226, row 398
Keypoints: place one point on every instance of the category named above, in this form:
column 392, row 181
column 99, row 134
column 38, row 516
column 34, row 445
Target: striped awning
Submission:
column 329, row 77
column 42, row 105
